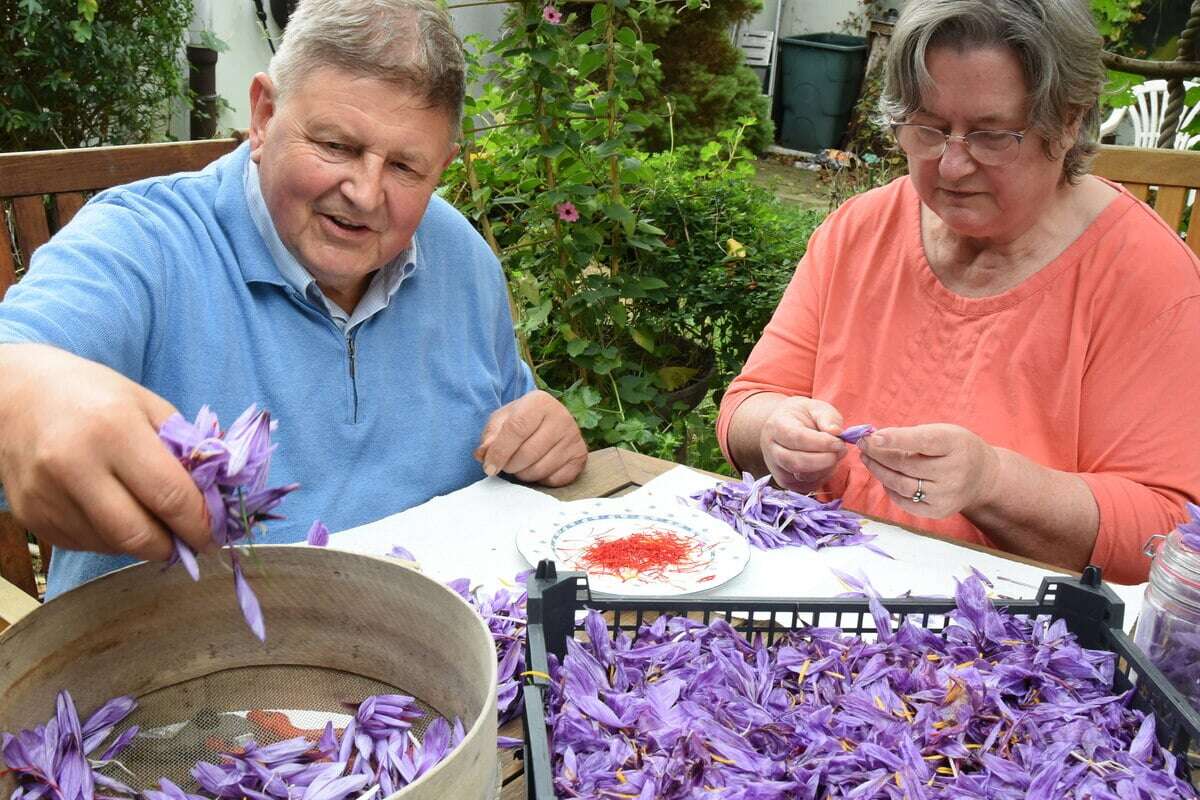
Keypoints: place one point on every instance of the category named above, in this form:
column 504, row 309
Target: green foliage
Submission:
column 700, row 85
column 84, row 72
column 1115, row 20
column 623, row 276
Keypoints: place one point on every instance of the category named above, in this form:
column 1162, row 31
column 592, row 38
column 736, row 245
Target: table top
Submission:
column 610, row 472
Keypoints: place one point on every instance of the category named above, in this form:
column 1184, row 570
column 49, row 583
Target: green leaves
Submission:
column 611, row 302
column 84, row 72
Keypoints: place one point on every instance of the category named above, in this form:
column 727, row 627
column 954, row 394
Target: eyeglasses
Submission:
column 990, row 148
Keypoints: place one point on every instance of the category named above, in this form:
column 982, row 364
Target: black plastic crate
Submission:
column 1092, row 612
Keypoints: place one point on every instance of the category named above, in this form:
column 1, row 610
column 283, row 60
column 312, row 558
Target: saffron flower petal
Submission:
column 318, row 535
column 856, row 433
column 248, row 601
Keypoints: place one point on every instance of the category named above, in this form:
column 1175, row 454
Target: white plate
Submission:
column 716, row 552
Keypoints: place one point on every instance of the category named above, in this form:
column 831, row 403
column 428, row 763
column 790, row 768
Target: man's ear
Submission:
column 263, row 104
column 454, row 150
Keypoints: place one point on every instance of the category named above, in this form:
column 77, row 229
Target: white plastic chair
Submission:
column 1146, row 115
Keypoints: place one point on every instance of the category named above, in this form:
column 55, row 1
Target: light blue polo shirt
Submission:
column 169, row 281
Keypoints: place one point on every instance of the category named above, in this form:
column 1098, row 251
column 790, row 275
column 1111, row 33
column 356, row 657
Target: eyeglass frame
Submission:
column 962, row 137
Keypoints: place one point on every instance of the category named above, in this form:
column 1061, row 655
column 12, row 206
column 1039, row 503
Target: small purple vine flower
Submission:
column 230, row 470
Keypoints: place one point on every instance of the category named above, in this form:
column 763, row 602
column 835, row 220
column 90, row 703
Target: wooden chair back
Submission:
column 1167, row 179
column 39, row 193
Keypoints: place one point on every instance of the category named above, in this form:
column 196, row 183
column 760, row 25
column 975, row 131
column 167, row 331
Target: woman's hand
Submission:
column 799, row 442
column 957, row 470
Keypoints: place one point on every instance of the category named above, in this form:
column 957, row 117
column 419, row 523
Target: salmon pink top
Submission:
column 1084, row 367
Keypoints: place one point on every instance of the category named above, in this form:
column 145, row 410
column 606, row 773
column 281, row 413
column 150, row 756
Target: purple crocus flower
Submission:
column 230, row 470
column 994, row 707
column 770, row 517
column 1190, row 530
column 55, row 761
column 504, row 611
column 856, row 433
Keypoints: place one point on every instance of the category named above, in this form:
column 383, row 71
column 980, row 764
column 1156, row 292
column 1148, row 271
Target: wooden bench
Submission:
column 39, row 193
column 1173, row 175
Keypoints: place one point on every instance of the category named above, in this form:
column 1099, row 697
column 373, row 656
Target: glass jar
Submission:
column 1168, row 629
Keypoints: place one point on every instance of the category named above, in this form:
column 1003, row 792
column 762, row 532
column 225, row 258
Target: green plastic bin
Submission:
column 820, row 76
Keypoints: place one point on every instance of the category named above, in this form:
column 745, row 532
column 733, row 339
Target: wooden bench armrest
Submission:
column 14, row 604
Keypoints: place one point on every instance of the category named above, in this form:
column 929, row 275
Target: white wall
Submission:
column 812, row 16
column 236, row 24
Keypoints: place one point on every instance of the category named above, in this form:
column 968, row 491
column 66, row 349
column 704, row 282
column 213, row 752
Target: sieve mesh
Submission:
column 198, row 719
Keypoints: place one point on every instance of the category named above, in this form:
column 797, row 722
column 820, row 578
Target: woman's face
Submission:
column 982, row 89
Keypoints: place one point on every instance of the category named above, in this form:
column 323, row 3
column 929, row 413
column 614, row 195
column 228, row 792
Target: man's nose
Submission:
column 364, row 185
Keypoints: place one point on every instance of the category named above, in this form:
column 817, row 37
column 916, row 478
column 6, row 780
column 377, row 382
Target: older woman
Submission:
column 1022, row 333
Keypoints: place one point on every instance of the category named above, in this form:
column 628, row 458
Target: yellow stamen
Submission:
column 535, row 674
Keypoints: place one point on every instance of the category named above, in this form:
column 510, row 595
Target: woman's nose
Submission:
column 956, row 161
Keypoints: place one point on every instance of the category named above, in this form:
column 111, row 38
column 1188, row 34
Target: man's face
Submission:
column 347, row 165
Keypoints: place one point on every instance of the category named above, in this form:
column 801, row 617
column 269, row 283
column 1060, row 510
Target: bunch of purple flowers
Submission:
column 994, row 708
column 1190, row 529
column 375, row 753
column 230, row 470
column 58, row 760
column 770, row 517
column 505, row 613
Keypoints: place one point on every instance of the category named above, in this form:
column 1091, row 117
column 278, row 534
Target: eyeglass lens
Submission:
column 993, row 148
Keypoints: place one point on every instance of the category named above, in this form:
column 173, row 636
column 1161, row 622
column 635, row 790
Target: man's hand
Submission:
column 81, row 460
column 535, row 439
column 957, row 469
column 799, row 442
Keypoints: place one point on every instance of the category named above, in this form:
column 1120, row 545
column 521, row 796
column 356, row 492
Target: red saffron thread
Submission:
column 646, row 554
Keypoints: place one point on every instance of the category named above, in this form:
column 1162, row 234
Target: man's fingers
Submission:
column 123, row 524
column 62, row 530
column 487, row 436
column 561, row 460
column 505, row 443
column 529, row 455
column 164, row 491
column 566, row 473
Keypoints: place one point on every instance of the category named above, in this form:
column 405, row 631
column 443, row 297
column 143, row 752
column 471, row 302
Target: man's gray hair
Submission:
column 1055, row 41
column 410, row 43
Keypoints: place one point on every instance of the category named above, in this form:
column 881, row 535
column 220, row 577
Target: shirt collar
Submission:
column 384, row 283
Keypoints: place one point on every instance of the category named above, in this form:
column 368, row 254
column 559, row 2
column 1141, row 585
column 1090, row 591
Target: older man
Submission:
column 310, row 271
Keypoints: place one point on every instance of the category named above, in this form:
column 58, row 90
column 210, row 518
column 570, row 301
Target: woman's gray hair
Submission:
column 1055, row 41
column 410, row 43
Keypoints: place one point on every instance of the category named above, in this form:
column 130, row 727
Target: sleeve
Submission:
column 1139, row 449
column 91, row 290
column 785, row 356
